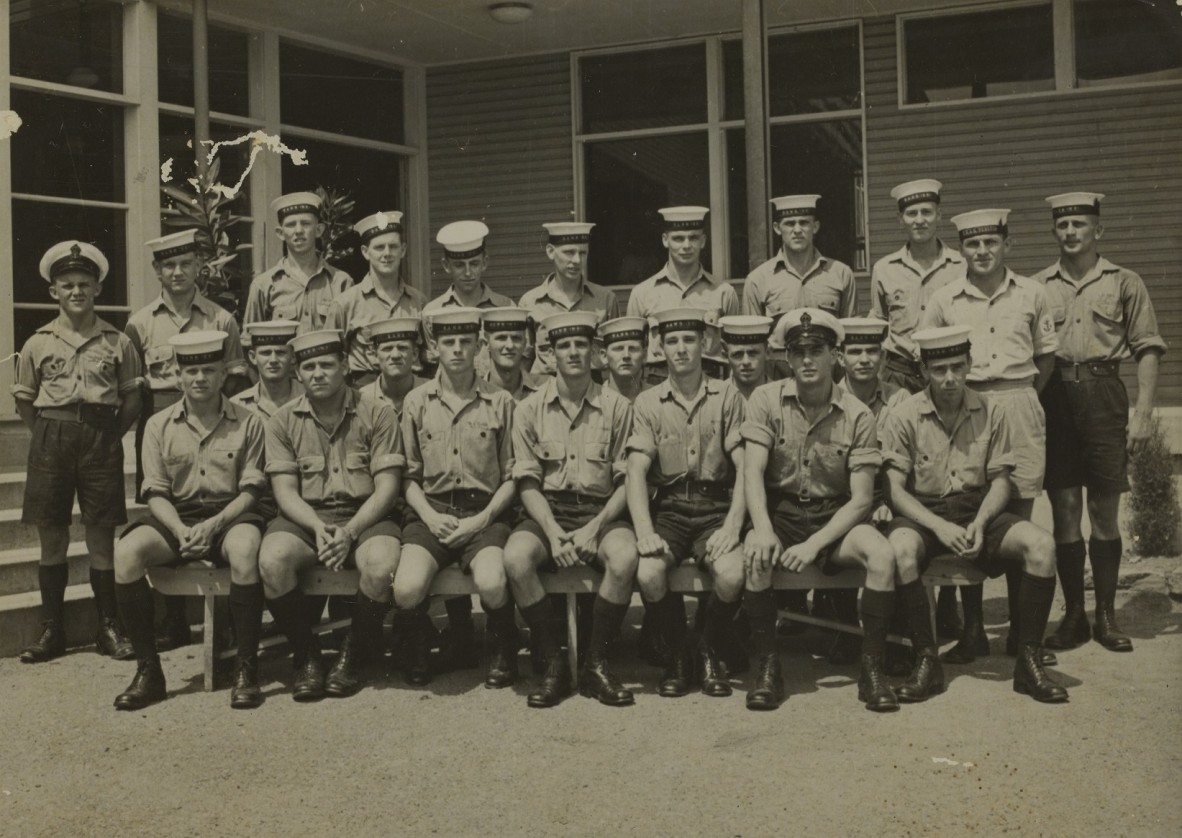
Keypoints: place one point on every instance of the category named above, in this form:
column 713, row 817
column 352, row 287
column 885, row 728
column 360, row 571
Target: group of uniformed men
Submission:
column 718, row 436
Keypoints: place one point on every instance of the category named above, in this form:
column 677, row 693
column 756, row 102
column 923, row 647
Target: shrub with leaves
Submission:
column 335, row 208
column 1153, row 514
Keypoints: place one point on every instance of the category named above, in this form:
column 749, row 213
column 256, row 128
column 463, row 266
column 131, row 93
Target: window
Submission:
column 229, row 82
column 976, row 55
column 647, row 89
column 1126, row 41
column 813, row 71
column 329, row 92
column 70, row 42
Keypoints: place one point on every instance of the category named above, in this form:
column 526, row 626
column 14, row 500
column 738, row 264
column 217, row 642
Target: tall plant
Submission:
column 336, row 205
column 1153, row 514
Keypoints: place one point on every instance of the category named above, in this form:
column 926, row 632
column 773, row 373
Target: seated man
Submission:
column 271, row 357
column 622, row 355
column 395, row 347
column 744, row 343
column 948, row 463
column 335, row 461
column 459, row 485
column 685, row 442
column 506, row 332
column 203, row 473
column 809, row 463
column 568, row 449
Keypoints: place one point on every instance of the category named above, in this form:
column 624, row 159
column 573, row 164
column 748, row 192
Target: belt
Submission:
column 999, row 384
column 775, row 497
column 902, row 363
column 685, row 489
column 85, row 412
column 462, row 498
column 1087, row 371
column 575, row 498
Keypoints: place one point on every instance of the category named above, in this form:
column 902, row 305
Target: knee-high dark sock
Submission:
column 719, row 617
column 340, row 607
column 761, row 612
column 1034, row 606
column 102, row 583
column 1013, row 586
column 1070, row 560
column 1105, row 557
column 973, row 599
column 246, row 612
column 914, row 601
column 136, row 610
column 605, row 625
column 53, row 579
column 501, row 623
column 175, row 611
column 876, row 608
column 845, row 605
column 543, row 627
column 315, row 607
column 294, row 619
column 368, row 615
column 459, row 611
column 671, row 609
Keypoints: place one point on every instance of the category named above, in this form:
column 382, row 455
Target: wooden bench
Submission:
column 200, row 579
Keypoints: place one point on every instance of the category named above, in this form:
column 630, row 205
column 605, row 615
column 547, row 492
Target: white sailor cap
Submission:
column 982, row 222
column 942, row 342
column 745, row 329
column 623, row 328
column 462, row 239
column 174, row 244
column 295, row 203
column 74, row 256
column 568, row 232
column 457, row 320
column 380, row 223
column 684, row 218
column 790, row 206
column 505, row 319
column 810, row 325
column 198, row 347
column 680, row 320
column 394, row 328
column 315, row 344
column 917, row 192
column 570, row 324
column 864, row 330
column 1075, row 203
column 271, row 332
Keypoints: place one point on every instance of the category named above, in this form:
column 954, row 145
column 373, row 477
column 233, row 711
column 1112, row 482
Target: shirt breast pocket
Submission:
column 826, row 299
column 159, row 362
column 285, row 311
column 832, row 458
column 673, row 460
column 224, row 461
column 311, row 477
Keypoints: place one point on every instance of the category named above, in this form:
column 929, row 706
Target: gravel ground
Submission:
column 456, row 759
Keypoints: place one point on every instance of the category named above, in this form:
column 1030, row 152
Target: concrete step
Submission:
column 18, row 568
column 20, row 619
column 16, row 536
column 12, row 487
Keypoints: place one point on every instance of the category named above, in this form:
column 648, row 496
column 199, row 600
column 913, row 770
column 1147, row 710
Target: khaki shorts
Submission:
column 1023, row 415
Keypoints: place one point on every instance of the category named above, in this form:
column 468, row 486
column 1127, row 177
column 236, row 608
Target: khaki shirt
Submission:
column 886, row 395
column 900, row 290
column 543, row 301
column 187, row 465
column 1106, row 316
column 1010, row 329
column 774, row 288
column 256, row 401
column 373, row 390
column 58, row 366
column 811, row 460
column 661, row 292
column 365, row 303
column 335, row 466
column 530, row 383
column 692, row 441
column 152, row 326
column 285, row 293
column 582, row 453
column 448, row 299
column 941, row 461
column 458, row 446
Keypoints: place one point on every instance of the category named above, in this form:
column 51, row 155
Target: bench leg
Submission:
column 207, row 641
column 572, row 633
column 930, row 590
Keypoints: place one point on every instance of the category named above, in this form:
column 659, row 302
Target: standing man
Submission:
column 301, row 285
column 382, row 294
column 902, row 283
column 395, row 347
column 1013, row 337
column 682, row 282
column 799, row 276
column 566, row 289
column 77, row 390
column 622, row 354
column 569, row 443
column 271, row 357
column 459, row 486
column 203, row 472
column 335, row 462
column 685, row 443
column 1103, row 315
column 506, row 334
column 810, row 461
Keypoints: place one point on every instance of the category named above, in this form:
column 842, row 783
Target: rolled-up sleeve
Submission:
column 235, row 357
column 525, row 442
column 281, row 455
column 621, row 430
column 130, row 372
column 1043, row 334
column 1000, row 459
column 646, row 417
column 732, row 420
column 28, row 381
column 1140, row 318
column 253, row 475
column 156, row 480
column 412, row 416
column 864, row 451
column 757, row 421
column 898, row 441
column 385, row 440
column 505, row 405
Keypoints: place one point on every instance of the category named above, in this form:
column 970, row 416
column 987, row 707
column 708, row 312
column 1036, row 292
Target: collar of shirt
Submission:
column 670, row 276
column 551, row 281
column 945, row 256
column 879, row 396
column 788, row 392
column 707, row 386
column 200, row 302
column 481, row 387
column 818, row 263
column 288, row 268
column 304, row 407
column 60, row 328
column 369, row 286
column 450, row 298
column 591, row 397
column 178, row 413
column 965, row 287
column 972, row 402
column 1098, row 270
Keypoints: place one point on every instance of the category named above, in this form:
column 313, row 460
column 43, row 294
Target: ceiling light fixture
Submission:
column 511, row 12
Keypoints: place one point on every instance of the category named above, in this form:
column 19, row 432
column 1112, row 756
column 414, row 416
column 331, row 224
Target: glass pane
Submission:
column 175, row 134
column 973, row 56
column 228, row 55
column 627, row 182
column 1127, row 40
column 329, row 92
column 808, row 72
column 834, row 171
column 28, row 320
column 373, row 179
column 647, row 89
column 69, row 42
column 37, row 226
column 67, row 147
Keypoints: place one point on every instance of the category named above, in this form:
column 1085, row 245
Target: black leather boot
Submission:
column 925, row 679
column 309, row 683
column 767, row 693
column 678, row 677
column 344, row 679
column 51, row 644
column 713, row 674
column 457, row 642
column 502, row 668
column 1108, row 633
column 1048, row 657
column 1032, row 680
column 245, row 694
column 597, row 681
column 973, row 643
column 147, row 687
column 948, row 624
column 110, row 641
column 1074, row 629
column 555, row 686
column 418, row 649
column 1106, row 557
column 873, row 689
